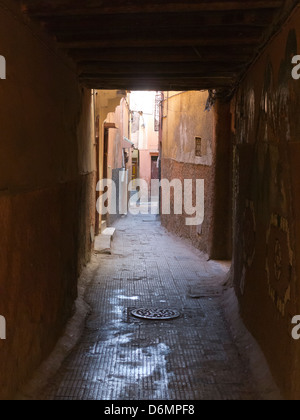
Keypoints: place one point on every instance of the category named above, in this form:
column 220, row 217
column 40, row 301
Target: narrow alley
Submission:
column 121, row 357
column 107, row 106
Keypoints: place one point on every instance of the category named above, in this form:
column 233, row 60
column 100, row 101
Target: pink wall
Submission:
column 116, row 135
column 146, row 139
column 145, row 166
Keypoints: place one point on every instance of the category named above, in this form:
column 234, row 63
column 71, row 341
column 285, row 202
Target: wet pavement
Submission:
column 121, row 357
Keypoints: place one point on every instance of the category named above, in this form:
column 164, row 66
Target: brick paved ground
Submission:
column 123, row 358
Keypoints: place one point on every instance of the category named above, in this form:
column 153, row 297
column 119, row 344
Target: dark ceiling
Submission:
column 160, row 44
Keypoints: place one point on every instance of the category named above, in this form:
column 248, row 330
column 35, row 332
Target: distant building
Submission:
column 114, row 149
column 144, row 130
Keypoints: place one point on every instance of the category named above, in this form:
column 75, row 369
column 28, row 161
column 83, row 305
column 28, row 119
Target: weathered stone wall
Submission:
column 266, row 130
column 200, row 235
column 185, row 119
column 46, row 191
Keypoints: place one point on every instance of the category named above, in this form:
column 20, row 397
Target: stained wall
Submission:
column 266, row 188
column 46, row 196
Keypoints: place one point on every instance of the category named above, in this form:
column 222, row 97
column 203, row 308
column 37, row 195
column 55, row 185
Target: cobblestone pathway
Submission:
column 121, row 357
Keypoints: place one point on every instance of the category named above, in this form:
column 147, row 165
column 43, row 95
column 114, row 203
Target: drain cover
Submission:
column 155, row 314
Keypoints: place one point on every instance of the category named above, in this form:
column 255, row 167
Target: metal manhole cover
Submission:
column 156, row 314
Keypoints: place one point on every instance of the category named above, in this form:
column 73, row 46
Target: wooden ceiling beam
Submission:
column 159, row 36
column 160, row 44
column 213, row 41
column 136, row 43
column 257, row 19
column 191, row 68
column 46, row 8
column 156, row 84
column 161, row 86
column 166, row 78
column 170, row 55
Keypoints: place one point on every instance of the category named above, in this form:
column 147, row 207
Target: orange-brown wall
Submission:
column 46, row 197
column 266, row 128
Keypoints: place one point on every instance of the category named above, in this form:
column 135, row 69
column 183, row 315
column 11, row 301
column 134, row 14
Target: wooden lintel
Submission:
column 42, row 8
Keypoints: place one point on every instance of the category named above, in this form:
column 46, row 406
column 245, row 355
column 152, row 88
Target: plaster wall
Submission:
column 184, row 119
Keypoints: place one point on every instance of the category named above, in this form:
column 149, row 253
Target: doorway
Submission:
column 154, row 167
